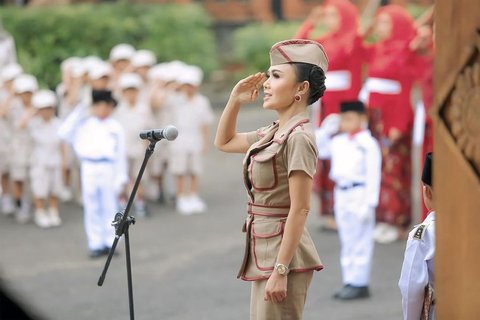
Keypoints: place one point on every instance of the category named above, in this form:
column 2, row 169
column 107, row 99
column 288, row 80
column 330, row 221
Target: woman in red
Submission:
column 392, row 69
column 345, row 52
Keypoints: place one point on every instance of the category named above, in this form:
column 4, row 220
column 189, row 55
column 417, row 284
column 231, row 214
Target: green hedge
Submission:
column 48, row 35
column 253, row 42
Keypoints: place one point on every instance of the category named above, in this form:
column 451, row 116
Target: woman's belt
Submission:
column 379, row 85
column 339, row 80
column 268, row 211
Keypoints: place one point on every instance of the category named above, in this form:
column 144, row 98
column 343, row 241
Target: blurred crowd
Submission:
column 38, row 166
column 380, row 63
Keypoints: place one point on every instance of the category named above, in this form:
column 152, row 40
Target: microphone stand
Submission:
column 122, row 222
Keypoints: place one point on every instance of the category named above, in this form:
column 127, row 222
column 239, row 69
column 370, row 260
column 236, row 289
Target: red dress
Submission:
column 344, row 49
column 392, row 69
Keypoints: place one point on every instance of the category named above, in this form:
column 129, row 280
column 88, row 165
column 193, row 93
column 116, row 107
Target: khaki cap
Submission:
column 299, row 50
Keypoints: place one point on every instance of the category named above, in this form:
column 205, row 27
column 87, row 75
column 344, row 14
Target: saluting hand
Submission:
column 247, row 90
column 276, row 288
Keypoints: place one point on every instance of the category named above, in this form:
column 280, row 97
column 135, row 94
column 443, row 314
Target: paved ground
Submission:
column 183, row 267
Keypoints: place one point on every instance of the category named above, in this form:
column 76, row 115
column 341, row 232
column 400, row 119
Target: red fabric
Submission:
column 392, row 59
column 344, row 49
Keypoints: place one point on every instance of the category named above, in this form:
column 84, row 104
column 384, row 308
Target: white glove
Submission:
column 331, row 124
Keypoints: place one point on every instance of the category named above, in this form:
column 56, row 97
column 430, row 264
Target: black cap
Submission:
column 355, row 106
column 427, row 169
column 103, row 96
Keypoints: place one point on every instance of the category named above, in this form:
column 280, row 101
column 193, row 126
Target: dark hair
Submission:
column 314, row 75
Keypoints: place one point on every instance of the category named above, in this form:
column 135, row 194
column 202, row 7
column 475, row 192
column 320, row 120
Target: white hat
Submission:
column 173, row 70
column 99, row 70
column 10, row 72
column 192, row 75
column 25, row 83
column 121, row 51
column 130, row 80
column 143, row 58
column 91, row 61
column 75, row 66
column 44, row 99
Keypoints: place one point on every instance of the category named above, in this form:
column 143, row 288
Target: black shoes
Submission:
column 349, row 292
column 94, row 254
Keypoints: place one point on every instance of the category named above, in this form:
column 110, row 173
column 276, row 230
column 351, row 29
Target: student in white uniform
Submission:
column 21, row 113
column 99, row 142
column 192, row 116
column 46, row 160
column 417, row 280
column 7, row 94
column 119, row 58
column 356, row 168
column 134, row 115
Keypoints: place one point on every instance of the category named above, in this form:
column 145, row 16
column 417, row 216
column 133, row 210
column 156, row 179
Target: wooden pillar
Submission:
column 456, row 173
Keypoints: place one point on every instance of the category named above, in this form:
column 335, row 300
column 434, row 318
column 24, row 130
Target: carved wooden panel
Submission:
column 461, row 110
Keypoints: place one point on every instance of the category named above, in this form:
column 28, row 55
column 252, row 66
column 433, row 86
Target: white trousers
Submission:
column 356, row 237
column 99, row 202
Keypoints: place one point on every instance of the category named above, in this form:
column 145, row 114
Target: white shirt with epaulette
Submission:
column 418, row 267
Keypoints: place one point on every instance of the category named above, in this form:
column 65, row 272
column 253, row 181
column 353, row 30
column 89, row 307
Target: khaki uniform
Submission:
column 274, row 153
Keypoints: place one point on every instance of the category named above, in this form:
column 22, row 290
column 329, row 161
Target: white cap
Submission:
column 75, row 66
column 121, row 51
column 99, row 70
column 173, row 70
column 90, row 62
column 143, row 58
column 191, row 75
column 44, row 99
column 10, row 72
column 130, row 80
column 25, row 83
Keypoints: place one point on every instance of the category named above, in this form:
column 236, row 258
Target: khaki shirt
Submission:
column 274, row 153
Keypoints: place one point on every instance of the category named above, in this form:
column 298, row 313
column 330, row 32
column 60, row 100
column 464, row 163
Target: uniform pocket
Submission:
column 266, row 240
column 263, row 171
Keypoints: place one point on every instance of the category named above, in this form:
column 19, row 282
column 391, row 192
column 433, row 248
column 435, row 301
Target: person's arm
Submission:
column 414, row 275
column 227, row 138
column 300, row 186
column 309, row 25
column 5, row 105
column 69, row 127
column 26, row 117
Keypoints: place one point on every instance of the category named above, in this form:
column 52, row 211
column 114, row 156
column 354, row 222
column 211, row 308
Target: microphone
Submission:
column 170, row 133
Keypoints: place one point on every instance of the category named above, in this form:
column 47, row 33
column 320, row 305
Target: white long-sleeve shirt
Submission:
column 356, row 159
column 97, row 140
column 418, row 268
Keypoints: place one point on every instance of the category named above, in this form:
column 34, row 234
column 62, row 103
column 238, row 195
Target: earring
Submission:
column 298, row 98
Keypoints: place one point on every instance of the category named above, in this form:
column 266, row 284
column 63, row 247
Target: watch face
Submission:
column 281, row 269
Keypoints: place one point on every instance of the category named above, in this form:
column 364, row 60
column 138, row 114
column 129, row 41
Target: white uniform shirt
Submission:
column 133, row 120
column 46, row 142
column 190, row 116
column 21, row 142
column 418, row 268
column 355, row 159
column 5, row 127
column 96, row 140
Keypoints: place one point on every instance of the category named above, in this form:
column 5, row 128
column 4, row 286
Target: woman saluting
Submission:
column 278, row 167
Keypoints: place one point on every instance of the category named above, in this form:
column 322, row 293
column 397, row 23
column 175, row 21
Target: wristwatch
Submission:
column 281, row 269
